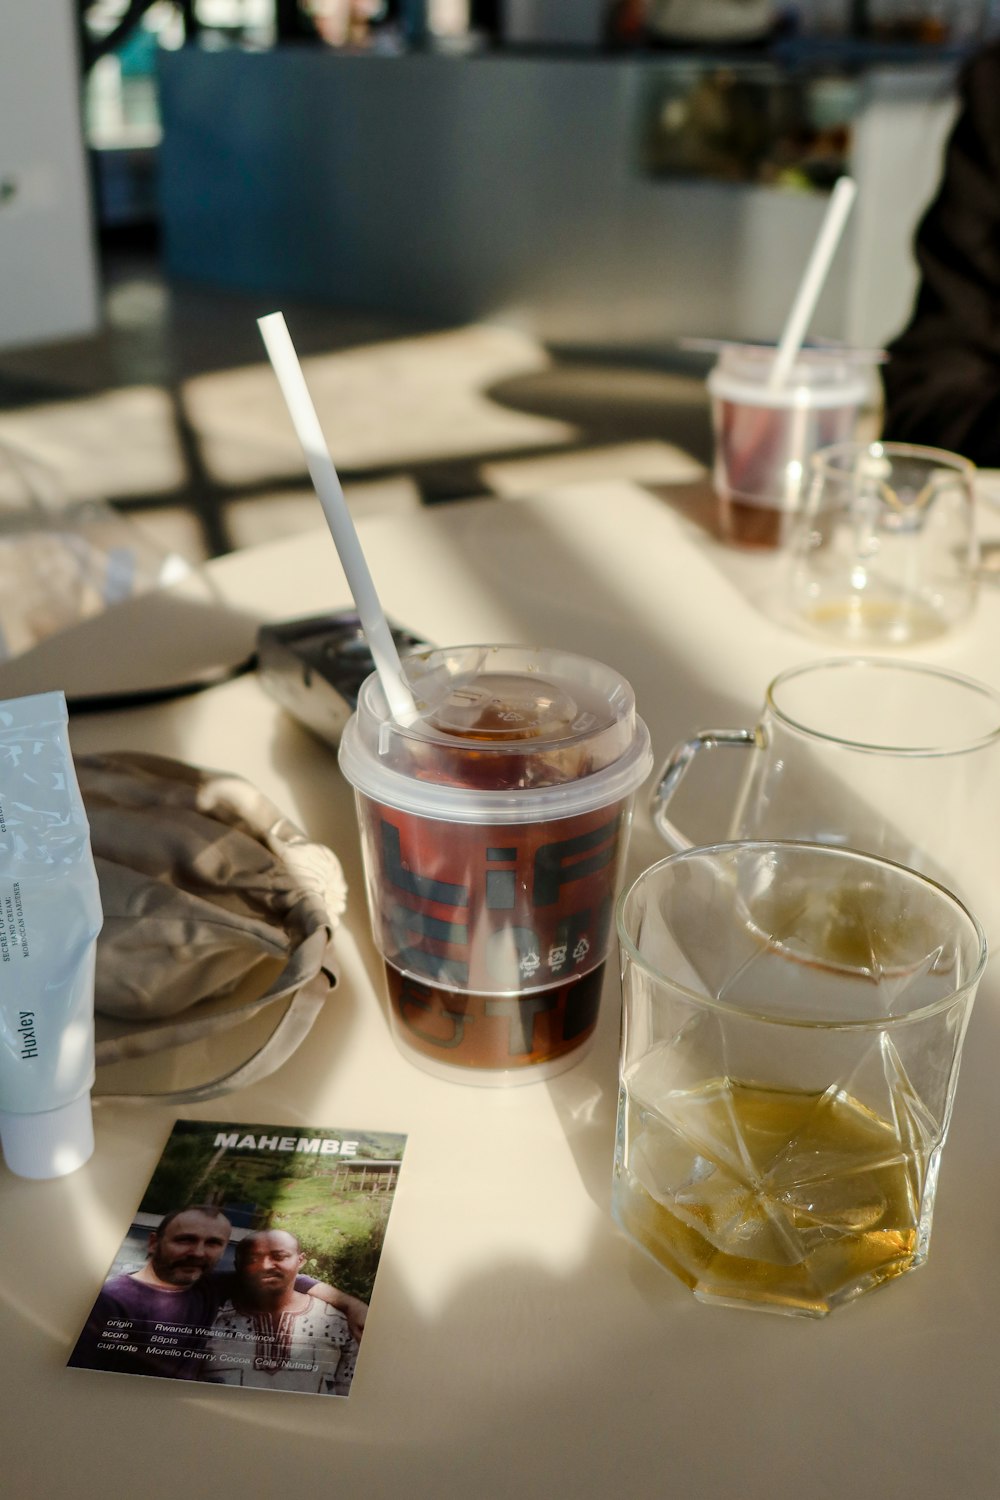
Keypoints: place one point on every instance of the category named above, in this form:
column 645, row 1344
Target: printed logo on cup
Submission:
column 494, row 937
column 493, row 829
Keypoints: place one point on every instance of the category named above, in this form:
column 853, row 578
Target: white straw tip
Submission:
column 817, row 267
column 291, row 381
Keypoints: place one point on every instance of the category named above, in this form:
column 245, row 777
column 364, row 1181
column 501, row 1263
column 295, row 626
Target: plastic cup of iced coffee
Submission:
column 766, row 435
column 493, row 831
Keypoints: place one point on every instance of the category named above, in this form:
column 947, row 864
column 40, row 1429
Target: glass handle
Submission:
column 676, row 768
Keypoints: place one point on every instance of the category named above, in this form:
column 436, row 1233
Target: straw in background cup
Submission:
column 813, row 279
column 763, row 437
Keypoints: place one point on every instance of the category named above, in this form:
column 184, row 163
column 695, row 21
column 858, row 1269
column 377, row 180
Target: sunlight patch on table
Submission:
column 404, row 401
column 260, row 518
column 123, row 442
column 645, row 462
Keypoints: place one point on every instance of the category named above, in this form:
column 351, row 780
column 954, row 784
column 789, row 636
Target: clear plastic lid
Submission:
column 818, row 377
column 504, row 733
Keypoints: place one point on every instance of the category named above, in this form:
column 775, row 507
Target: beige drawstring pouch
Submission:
column 216, row 908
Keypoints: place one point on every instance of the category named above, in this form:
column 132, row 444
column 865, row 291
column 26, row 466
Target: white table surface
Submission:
column 517, row 1344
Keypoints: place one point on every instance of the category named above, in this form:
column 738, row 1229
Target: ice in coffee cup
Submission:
column 493, row 829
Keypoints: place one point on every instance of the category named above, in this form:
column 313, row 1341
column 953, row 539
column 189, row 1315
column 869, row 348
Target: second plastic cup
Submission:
column 493, row 830
column 765, row 437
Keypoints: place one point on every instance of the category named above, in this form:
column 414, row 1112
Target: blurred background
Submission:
column 494, row 226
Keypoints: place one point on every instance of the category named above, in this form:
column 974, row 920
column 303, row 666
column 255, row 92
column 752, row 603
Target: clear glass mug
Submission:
column 896, row 758
column 793, row 1019
column 884, row 550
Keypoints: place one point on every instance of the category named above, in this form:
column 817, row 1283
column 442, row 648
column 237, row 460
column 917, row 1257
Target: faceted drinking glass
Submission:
column 793, row 1019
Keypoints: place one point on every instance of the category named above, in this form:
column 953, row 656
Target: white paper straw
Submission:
column 284, row 360
column 813, row 279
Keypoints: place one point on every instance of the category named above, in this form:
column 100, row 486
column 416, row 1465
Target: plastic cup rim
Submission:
column 606, row 787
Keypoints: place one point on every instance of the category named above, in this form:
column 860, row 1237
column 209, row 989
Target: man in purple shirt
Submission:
column 155, row 1321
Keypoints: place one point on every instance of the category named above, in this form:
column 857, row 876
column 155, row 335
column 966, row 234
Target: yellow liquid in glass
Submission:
column 859, row 620
column 795, row 1202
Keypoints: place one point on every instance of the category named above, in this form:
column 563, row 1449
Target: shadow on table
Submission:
column 616, row 403
column 601, row 1378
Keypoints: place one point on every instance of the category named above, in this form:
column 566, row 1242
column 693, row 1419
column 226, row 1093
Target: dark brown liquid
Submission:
column 465, row 1029
column 490, row 932
column 759, row 455
column 754, row 525
column 482, row 725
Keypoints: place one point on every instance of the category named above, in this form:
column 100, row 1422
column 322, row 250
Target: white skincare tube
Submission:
column 50, row 916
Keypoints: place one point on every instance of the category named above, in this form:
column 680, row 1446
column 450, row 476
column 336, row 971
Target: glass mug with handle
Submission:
column 899, row 759
column 884, row 549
